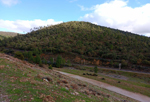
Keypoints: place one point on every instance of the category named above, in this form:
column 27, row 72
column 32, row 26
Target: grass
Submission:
column 139, row 83
column 21, row 83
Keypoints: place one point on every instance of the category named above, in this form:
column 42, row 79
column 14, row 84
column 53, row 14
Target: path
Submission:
column 124, row 70
column 136, row 96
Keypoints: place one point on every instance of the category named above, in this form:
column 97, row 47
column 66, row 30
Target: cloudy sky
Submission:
column 128, row 15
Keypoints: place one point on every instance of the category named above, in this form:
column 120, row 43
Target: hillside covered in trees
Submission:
column 87, row 41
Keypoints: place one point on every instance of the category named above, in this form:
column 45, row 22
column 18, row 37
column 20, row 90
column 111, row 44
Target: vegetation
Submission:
column 19, row 82
column 95, row 69
column 59, row 62
column 19, row 55
column 50, row 67
column 134, row 82
column 86, row 40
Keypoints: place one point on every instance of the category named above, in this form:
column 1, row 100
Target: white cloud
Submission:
column 25, row 25
column 9, row 2
column 117, row 14
column 85, row 8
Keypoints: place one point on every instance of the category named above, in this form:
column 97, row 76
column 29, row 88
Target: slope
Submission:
column 22, row 81
column 8, row 34
column 89, row 42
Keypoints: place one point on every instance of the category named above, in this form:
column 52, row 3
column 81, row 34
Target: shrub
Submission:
column 95, row 69
column 40, row 64
column 124, row 63
column 19, row 55
column 69, row 63
column 146, row 62
column 50, row 67
column 59, row 61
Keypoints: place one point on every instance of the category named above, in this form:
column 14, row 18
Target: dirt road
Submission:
column 124, row 70
column 136, row 96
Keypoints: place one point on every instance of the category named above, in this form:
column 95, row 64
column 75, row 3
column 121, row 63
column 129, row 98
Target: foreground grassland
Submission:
column 22, row 82
column 139, row 83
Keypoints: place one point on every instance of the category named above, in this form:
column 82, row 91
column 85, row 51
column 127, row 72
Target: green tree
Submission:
column 40, row 63
column 59, row 61
column 63, row 61
column 95, row 69
column 51, row 61
column 50, row 67
column 69, row 63
column 44, row 61
column 38, row 59
column 19, row 55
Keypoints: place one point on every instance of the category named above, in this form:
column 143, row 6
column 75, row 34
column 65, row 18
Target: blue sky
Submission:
column 129, row 15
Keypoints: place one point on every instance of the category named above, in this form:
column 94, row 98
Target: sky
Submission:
column 128, row 15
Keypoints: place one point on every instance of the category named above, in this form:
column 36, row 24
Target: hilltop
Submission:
column 85, row 42
column 7, row 34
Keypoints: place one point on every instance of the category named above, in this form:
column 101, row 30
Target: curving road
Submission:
column 136, row 96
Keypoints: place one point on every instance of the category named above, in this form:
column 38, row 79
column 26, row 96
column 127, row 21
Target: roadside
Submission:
column 124, row 70
column 135, row 96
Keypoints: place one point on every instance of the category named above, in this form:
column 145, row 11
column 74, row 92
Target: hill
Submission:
column 83, row 42
column 22, row 81
column 7, row 34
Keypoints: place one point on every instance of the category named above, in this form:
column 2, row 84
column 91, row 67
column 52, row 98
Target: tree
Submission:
column 69, row 63
column 40, row 63
column 63, row 61
column 44, row 61
column 19, row 55
column 51, row 61
column 50, row 67
column 59, row 61
column 38, row 59
column 95, row 69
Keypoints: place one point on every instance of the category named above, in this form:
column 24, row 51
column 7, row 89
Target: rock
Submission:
column 47, row 79
column 48, row 98
column 87, row 92
column 76, row 93
column 84, row 85
column 79, row 85
column 64, row 81
column 119, row 82
column 103, row 78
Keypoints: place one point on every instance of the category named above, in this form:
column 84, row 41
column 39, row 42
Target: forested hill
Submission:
column 85, row 39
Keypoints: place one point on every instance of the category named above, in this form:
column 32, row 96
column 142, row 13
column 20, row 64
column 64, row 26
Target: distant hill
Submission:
column 106, row 46
column 7, row 34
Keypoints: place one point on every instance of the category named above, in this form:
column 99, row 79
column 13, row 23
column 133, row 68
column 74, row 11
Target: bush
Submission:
column 95, row 69
column 50, row 67
column 69, row 63
column 124, row 63
column 40, row 64
column 19, row 55
column 111, row 63
column 146, row 62
column 59, row 61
